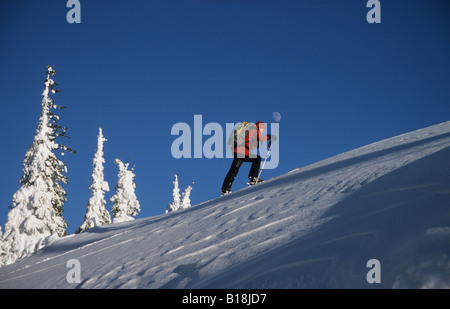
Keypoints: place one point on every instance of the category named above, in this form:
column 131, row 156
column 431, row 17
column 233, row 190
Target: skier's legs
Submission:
column 232, row 173
column 254, row 170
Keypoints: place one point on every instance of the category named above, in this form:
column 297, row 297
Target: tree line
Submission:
column 36, row 215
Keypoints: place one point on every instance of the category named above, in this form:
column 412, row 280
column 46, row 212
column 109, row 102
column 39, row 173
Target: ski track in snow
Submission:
column 190, row 248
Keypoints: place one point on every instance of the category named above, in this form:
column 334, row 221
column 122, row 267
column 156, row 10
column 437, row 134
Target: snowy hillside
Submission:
column 315, row 227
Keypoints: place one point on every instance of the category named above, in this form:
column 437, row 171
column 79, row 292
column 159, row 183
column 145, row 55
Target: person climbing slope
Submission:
column 252, row 136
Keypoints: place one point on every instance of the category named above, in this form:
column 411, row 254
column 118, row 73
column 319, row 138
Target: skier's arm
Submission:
column 265, row 138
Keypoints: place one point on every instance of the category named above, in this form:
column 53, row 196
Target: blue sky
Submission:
column 136, row 68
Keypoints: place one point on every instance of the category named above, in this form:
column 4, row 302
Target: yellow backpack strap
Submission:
column 243, row 126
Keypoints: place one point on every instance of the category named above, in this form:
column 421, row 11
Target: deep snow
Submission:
column 315, row 227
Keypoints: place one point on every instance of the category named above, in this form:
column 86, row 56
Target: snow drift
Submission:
column 315, row 227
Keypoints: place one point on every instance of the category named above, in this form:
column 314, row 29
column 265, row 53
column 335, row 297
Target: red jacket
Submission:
column 252, row 139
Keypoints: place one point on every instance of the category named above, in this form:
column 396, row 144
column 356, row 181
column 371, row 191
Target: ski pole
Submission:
column 264, row 163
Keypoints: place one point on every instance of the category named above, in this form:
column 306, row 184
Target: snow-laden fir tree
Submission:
column 186, row 200
column 178, row 201
column 96, row 213
column 37, row 210
column 126, row 205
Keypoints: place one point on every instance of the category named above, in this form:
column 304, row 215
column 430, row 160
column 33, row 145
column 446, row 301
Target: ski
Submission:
column 254, row 183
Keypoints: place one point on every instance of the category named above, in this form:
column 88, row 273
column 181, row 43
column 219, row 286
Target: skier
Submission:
column 241, row 154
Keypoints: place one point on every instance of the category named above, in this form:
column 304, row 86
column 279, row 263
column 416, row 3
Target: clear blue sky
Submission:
column 136, row 68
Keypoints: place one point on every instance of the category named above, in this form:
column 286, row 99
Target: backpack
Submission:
column 237, row 136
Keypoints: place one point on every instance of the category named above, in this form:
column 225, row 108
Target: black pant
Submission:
column 234, row 169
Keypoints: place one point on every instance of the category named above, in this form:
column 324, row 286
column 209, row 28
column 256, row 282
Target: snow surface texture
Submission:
column 315, row 227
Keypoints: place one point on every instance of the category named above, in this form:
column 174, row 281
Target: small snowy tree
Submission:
column 37, row 209
column 96, row 213
column 176, row 200
column 185, row 200
column 126, row 205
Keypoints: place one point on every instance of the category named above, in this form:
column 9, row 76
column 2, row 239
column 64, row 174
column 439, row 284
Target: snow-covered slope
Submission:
column 315, row 227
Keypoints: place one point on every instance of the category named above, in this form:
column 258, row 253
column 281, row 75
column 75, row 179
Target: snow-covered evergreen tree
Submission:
column 96, row 213
column 176, row 199
column 126, row 205
column 186, row 200
column 37, row 208
column 179, row 201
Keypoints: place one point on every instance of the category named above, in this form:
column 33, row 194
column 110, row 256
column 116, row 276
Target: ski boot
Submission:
column 226, row 192
column 254, row 180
